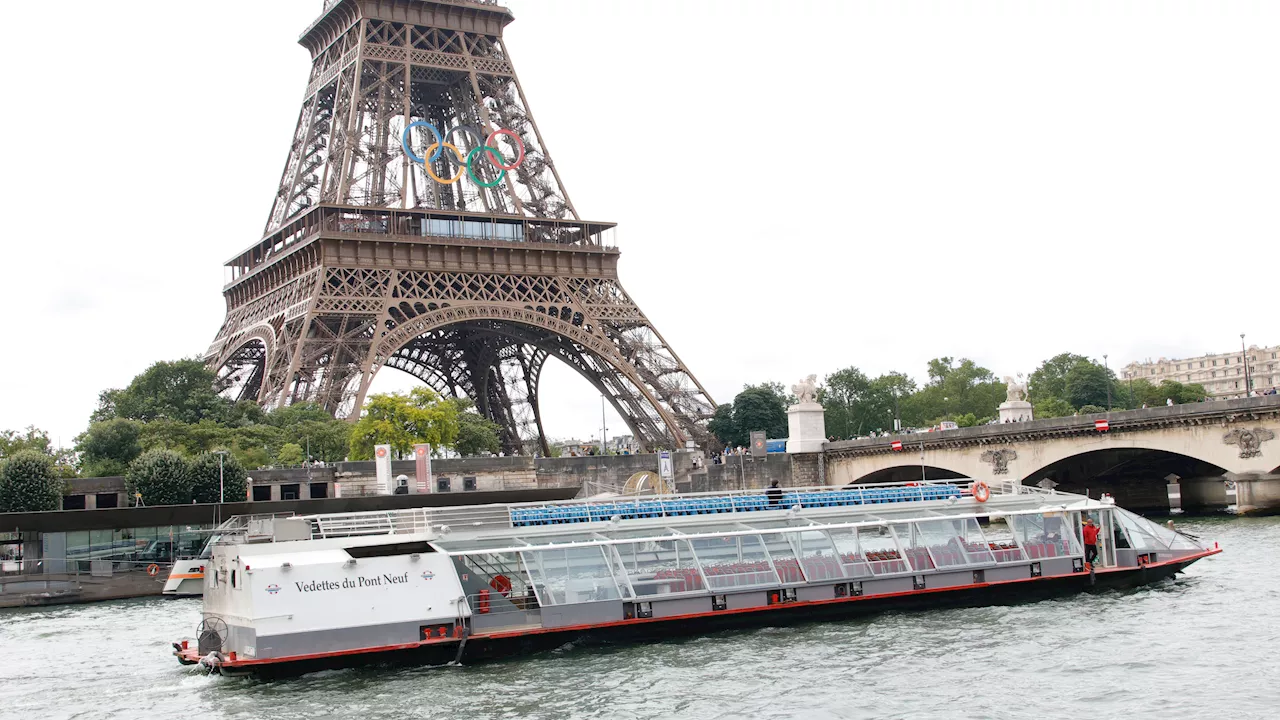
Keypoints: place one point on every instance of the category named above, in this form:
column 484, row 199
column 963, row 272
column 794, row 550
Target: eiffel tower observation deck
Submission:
column 420, row 224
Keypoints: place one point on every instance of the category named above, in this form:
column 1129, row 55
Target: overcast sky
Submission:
column 800, row 185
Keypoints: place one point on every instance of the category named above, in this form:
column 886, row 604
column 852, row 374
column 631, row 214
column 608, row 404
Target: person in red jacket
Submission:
column 1090, row 541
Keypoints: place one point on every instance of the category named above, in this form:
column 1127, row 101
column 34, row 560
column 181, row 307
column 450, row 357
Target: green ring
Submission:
column 493, row 152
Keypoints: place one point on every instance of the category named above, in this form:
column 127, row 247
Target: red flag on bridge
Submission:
column 1101, row 425
column 896, row 444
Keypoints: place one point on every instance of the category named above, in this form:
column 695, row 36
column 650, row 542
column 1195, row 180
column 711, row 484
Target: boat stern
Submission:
column 186, row 579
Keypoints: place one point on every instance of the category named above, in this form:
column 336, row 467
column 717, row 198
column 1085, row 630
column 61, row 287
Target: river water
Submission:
column 1201, row 645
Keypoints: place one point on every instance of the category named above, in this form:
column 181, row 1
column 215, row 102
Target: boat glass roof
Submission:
column 528, row 538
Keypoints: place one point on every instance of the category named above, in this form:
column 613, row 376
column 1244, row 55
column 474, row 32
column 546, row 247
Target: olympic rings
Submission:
column 487, row 148
column 495, row 157
column 404, row 141
column 456, row 152
column 516, row 139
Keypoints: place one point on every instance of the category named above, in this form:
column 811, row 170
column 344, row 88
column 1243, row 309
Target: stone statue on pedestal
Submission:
column 1015, row 408
column 1014, row 390
column 806, row 420
column 806, row 391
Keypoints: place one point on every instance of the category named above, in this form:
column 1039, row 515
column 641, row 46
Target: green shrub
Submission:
column 28, row 483
column 161, row 476
column 204, row 478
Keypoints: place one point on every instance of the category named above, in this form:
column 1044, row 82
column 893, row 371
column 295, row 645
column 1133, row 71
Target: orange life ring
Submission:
column 981, row 492
column 152, row 569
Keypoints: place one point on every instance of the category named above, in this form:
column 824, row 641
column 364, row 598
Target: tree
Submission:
column 310, row 426
column 477, row 435
column 1145, row 393
column 208, row 487
column 721, row 425
column 1087, row 383
column 108, row 447
column 13, row 442
column 759, row 407
column 955, row 388
column 328, row 440
column 290, row 455
column 183, row 390
column 243, row 414
column 161, row 476
column 846, row 397
column 1050, row 379
column 256, row 445
column 28, row 483
column 401, row 421
column 1052, row 407
column 293, row 415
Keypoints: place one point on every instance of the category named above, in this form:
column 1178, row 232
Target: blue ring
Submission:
column 404, row 141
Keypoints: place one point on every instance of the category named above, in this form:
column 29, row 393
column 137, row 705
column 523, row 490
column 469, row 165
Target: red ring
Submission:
column 519, row 143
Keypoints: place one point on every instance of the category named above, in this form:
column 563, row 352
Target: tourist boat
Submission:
column 285, row 595
column 186, row 577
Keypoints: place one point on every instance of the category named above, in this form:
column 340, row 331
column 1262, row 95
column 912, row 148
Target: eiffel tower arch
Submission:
column 421, row 225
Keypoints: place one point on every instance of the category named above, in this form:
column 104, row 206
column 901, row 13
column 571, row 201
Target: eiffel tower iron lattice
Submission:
column 454, row 270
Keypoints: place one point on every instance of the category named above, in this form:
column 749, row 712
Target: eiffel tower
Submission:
column 420, row 224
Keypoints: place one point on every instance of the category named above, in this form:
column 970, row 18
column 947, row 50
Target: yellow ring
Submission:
column 457, row 153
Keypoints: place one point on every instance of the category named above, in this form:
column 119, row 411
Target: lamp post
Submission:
column 1107, row 367
column 1244, row 355
column 221, row 485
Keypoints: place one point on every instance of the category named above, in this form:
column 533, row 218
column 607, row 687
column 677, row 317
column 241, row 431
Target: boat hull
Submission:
column 499, row 645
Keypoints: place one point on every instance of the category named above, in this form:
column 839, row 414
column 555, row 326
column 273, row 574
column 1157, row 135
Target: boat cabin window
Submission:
column 571, row 575
column 661, row 567
column 1051, row 534
column 1137, row 536
column 949, row 543
column 739, row 561
column 233, row 578
column 853, row 564
column 207, row 551
column 818, row 556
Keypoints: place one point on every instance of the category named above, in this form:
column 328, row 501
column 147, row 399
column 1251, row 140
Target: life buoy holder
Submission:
column 981, row 492
column 153, row 569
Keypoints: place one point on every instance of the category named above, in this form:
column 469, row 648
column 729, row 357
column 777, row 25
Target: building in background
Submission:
column 1222, row 375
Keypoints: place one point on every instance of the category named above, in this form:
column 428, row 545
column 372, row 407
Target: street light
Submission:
column 1245, row 355
column 221, row 485
column 1107, row 367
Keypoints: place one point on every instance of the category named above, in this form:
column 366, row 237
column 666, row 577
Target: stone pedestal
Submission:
column 1015, row 411
column 806, row 428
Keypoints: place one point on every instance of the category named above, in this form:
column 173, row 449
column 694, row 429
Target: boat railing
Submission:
column 409, row 521
column 494, row 609
column 661, row 506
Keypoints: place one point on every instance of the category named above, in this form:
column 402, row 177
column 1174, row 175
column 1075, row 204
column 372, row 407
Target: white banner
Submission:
column 382, row 464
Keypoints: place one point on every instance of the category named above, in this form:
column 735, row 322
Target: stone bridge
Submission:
column 1198, row 446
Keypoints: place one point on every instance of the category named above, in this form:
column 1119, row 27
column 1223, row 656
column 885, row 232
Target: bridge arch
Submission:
column 1196, row 451
column 906, row 473
column 1119, row 463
